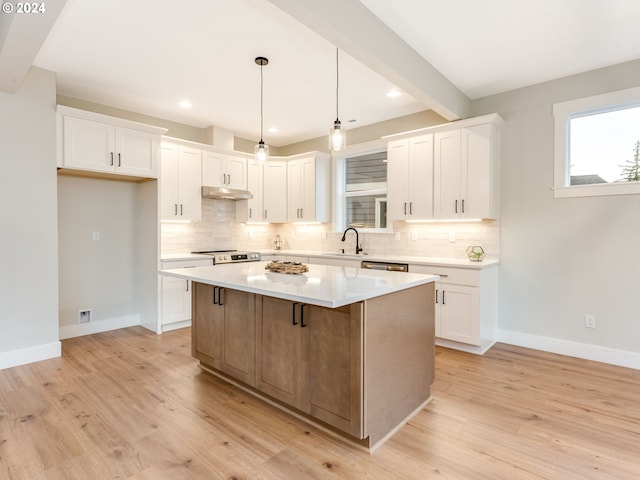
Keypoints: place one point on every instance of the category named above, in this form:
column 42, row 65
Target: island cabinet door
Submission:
column 279, row 361
column 333, row 342
column 238, row 334
column 206, row 325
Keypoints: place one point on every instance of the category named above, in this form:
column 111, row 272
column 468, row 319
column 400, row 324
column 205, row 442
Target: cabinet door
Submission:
column 398, row 179
column 421, row 177
column 275, row 191
column 308, row 180
column 169, row 182
column 459, row 314
column 333, row 340
column 176, row 300
column 294, row 190
column 136, row 153
column 189, row 184
column 446, row 183
column 476, row 178
column 279, row 350
column 238, row 336
column 89, row 145
column 255, row 210
column 236, row 170
column 206, row 326
column 213, row 169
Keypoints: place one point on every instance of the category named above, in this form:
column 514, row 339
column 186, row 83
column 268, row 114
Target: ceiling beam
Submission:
column 21, row 36
column 353, row 28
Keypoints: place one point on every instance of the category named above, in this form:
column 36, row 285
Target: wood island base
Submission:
column 360, row 370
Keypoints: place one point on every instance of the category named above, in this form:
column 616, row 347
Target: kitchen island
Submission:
column 350, row 350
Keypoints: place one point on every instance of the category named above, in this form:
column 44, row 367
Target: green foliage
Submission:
column 631, row 170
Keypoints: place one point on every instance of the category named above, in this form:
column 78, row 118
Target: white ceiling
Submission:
column 147, row 55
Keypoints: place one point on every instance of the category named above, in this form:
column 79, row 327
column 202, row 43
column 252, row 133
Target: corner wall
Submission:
column 562, row 258
column 29, row 253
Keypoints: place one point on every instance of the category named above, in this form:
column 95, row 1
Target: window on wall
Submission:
column 597, row 145
column 365, row 190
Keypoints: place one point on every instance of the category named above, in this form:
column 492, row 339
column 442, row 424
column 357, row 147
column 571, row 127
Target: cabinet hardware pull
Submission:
column 302, row 325
column 410, row 208
column 456, row 206
column 220, row 290
column 181, row 209
column 437, row 295
column 293, row 316
column 301, row 213
column 187, row 289
column 443, row 292
column 265, row 213
column 175, row 209
column 111, row 159
column 249, row 213
column 405, row 208
column 463, row 205
column 119, row 161
column 229, row 179
column 214, row 295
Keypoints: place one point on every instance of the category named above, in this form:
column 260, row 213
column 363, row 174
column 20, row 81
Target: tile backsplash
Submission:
column 218, row 230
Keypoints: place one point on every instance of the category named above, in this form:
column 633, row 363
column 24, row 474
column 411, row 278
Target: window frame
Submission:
column 565, row 111
column 340, row 186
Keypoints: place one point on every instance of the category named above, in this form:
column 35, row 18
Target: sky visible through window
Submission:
column 601, row 144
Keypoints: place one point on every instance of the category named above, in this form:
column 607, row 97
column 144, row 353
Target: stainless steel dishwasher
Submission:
column 392, row 267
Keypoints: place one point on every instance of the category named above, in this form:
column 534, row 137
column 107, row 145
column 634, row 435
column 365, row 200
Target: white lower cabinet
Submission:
column 466, row 306
column 176, row 295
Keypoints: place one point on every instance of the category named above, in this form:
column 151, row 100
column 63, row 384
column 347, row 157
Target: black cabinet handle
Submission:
column 119, row 161
column 436, row 296
column 463, row 205
column 214, row 295
column 293, row 315
column 111, row 158
column 187, row 289
column 456, row 206
column 405, row 208
column 410, row 208
column 220, row 290
column 443, row 292
column 302, row 325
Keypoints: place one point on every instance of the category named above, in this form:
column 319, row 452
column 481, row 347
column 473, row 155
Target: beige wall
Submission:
column 29, row 253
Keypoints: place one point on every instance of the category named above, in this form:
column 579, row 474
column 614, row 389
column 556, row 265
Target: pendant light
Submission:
column 261, row 150
column 337, row 135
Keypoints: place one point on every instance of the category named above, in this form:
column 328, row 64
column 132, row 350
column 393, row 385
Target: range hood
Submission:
column 226, row 193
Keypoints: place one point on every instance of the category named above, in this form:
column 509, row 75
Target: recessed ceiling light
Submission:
column 184, row 104
column 273, row 130
column 394, row 93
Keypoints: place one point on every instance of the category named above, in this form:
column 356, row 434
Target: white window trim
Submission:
column 339, row 184
column 562, row 113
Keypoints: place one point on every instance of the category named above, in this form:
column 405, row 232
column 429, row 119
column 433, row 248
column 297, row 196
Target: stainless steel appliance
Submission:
column 392, row 267
column 231, row 256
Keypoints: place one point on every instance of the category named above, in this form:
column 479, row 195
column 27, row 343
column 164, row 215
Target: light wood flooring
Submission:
column 129, row 404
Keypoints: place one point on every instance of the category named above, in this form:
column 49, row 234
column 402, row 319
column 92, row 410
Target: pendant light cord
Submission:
column 261, row 95
column 337, row 84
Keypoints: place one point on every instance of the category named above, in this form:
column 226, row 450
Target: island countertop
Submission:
column 322, row 285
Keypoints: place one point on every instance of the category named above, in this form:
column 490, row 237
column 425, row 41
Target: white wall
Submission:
column 29, row 240
column 564, row 258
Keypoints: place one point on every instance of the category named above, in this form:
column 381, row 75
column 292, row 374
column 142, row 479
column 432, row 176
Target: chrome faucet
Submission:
column 358, row 248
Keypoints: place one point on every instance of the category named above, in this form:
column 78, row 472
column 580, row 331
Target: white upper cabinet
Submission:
column 224, row 170
column 180, row 183
column 98, row 143
column 466, row 173
column 447, row 171
column 308, row 189
column 268, row 184
column 410, row 178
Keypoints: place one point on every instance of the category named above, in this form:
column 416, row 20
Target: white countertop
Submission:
column 322, row 285
column 376, row 257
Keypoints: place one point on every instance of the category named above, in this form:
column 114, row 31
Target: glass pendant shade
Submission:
column 261, row 152
column 337, row 137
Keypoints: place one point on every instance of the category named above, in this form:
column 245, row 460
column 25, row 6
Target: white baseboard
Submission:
column 80, row 329
column 167, row 327
column 612, row 356
column 23, row 356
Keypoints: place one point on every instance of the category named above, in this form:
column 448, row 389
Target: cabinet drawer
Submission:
column 459, row 276
column 168, row 264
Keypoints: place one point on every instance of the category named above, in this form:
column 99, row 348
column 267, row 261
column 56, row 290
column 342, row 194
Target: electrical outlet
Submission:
column 96, row 236
column 397, row 235
column 84, row 316
column 452, row 236
column 414, row 236
column 590, row 321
